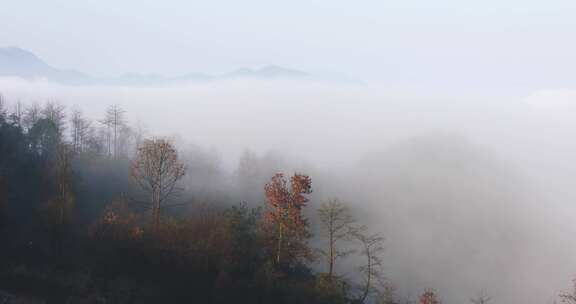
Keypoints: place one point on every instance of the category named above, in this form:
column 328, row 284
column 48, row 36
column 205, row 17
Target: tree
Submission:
column 18, row 171
column 31, row 115
column 2, row 108
column 284, row 220
column 569, row 297
column 372, row 248
column 17, row 114
column 44, row 137
column 241, row 235
column 62, row 202
column 157, row 170
column 337, row 225
column 387, row 295
column 80, row 128
column 429, row 297
column 3, row 200
column 481, row 298
column 94, row 142
column 114, row 122
column 55, row 112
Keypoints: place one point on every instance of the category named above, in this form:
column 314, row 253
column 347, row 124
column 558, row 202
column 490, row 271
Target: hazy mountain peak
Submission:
column 18, row 62
column 269, row 71
column 17, row 53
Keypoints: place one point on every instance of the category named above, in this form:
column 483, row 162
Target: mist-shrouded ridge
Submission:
column 17, row 62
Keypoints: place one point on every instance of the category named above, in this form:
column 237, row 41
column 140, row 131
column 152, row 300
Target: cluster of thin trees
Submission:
column 111, row 135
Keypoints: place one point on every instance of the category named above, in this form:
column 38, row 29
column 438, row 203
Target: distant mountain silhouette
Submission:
column 271, row 71
column 17, row 62
column 21, row 63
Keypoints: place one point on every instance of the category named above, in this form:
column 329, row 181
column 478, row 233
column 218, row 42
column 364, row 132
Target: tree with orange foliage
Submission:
column 284, row 221
column 429, row 297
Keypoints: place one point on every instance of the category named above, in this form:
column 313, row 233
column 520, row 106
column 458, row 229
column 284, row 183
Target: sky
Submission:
column 507, row 43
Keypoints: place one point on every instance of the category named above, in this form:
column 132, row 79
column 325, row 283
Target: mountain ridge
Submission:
column 18, row 62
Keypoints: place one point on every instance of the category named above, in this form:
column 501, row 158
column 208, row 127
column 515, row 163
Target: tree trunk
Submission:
column 280, row 240
column 331, row 261
column 368, row 280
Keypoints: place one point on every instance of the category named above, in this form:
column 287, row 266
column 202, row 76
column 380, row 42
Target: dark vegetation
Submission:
column 93, row 212
column 96, row 212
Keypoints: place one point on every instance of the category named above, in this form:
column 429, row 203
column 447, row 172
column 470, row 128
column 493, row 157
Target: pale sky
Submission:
column 501, row 43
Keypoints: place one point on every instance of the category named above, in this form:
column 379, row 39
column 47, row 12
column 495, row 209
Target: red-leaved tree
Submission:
column 285, row 224
column 429, row 297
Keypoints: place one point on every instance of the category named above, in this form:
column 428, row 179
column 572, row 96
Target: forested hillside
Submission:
column 94, row 212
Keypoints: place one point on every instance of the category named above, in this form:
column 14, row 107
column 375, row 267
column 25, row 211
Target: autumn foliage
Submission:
column 284, row 222
column 429, row 297
column 82, row 221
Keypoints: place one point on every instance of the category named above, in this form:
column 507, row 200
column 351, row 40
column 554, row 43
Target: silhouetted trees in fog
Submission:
column 80, row 131
column 70, row 207
column 83, row 219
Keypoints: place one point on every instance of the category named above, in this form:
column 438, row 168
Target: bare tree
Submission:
column 31, row 115
column 16, row 114
column 2, row 107
column 114, row 122
column 481, row 298
column 62, row 203
column 55, row 112
column 75, row 123
column 372, row 248
column 62, row 173
column 337, row 225
column 80, row 128
column 105, row 134
column 157, row 170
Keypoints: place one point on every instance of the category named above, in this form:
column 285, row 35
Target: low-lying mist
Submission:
column 471, row 190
